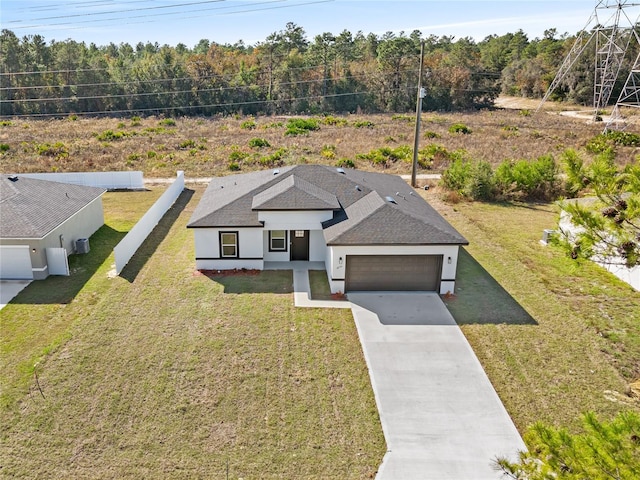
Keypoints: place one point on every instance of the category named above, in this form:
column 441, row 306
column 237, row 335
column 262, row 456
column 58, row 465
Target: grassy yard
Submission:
column 163, row 373
column 556, row 337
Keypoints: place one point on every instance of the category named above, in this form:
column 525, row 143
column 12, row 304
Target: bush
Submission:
column 430, row 134
column 301, row 126
column 57, row 149
column 237, row 155
column 258, row 143
column 460, row 128
column 536, row 179
column 338, row 122
column 328, row 151
column 276, row 159
column 345, row 163
column 111, row 136
column 479, row 184
column 404, row 118
column 151, row 154
column 132, row 157
column 167, row 122
column 187, row 144
column 455, row 177
column 234, row 166
column 385, row 156
column 6, row 123
column 363, row 124
column 4, row 147
column 248, row 124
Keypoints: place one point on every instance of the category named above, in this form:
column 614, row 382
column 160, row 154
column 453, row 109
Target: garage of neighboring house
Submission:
column 393, row 272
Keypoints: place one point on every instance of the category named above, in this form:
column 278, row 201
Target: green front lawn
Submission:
column 164, row 373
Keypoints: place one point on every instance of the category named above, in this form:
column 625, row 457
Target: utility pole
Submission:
column 416, row 139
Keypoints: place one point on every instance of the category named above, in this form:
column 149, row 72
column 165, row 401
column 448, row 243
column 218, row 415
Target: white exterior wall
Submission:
column 306, row 220
column 317, row 246
column 275, row 256
column 207, row 246
column 336, row 271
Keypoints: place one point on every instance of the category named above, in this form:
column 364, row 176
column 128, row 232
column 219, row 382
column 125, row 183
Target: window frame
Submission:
column 271, row 238
column 235, row 244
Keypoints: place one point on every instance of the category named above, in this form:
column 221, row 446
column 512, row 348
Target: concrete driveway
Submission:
column 9, row 289
column 441, row 417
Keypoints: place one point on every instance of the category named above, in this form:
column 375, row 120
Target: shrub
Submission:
column 480, row 182
column 135, row 118
column 151, row 154
column 404, row 118
column 385, row 156
column 460, row 128
column 72, row 118
column 248, row 124
column 159, row 130
column 363, row 124
column 167, row 122
column 6, row 123
column 328, row 151
column 111, row 136
column 389, row 139
column 258, row 143
column 276, row 159
column 237, row 155
column 338, row 122
column 345, row 163
column 187, row 144
column 122, row 125
column 132, row 157
column 234, row 166
column 301, row 126
column 4, row 147
column 274, row 125
column 57, row 149
column 537, row 179
column 430, row 134
column 525, row 112
column 455, row 177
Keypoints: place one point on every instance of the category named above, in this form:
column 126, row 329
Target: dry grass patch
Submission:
column 205, row 146
column 170, row 375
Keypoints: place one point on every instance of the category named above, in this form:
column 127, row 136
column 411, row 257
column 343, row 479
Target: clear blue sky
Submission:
column 227, row 21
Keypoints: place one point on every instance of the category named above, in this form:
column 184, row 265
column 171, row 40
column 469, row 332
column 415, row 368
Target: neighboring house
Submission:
column 41, row 222
column 371, row 230
column 614, row 264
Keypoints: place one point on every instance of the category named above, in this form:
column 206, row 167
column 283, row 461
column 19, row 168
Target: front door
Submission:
column 299, row 244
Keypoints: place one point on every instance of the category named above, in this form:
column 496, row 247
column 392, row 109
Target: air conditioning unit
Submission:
column 82, row 245
column 546, row 236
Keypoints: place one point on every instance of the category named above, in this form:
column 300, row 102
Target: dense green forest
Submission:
column 286, row 73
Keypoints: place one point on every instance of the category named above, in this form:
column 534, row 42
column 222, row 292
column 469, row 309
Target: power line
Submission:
column 178, row 92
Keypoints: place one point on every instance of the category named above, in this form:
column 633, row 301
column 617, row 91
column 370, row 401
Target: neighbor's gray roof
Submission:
column 31, row 208
column 363, row 216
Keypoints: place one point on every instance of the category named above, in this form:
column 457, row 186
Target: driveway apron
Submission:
column 440, row 415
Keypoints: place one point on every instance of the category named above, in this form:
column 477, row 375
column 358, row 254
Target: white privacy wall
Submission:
column 141, row 230
column 108, row 180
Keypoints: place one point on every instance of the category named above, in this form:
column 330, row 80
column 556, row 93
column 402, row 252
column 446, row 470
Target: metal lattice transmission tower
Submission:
column 610, row 32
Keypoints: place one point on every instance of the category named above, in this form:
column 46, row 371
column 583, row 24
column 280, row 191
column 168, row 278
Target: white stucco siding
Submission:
column 336, row 270
column 207, row 247
column 274, row 256
column 317, row 246
column 307, row 220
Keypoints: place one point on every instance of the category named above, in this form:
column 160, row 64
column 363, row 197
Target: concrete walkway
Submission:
column 302, row 292
column 440, row 415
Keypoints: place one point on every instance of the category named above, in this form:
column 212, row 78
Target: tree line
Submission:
column 285, row 73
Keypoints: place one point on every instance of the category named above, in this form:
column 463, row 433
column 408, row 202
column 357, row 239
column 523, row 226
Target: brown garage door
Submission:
column 393, row 272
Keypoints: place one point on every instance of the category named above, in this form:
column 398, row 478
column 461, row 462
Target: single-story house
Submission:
column 372, row 231
column 41, row 222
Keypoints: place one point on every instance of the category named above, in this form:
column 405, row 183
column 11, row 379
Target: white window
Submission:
column 299, row 233
column 278, row 240
column 228, row 244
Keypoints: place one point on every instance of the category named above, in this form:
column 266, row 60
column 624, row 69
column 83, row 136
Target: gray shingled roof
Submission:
column 31, row 208
column 363, row 215
column 294, row 193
